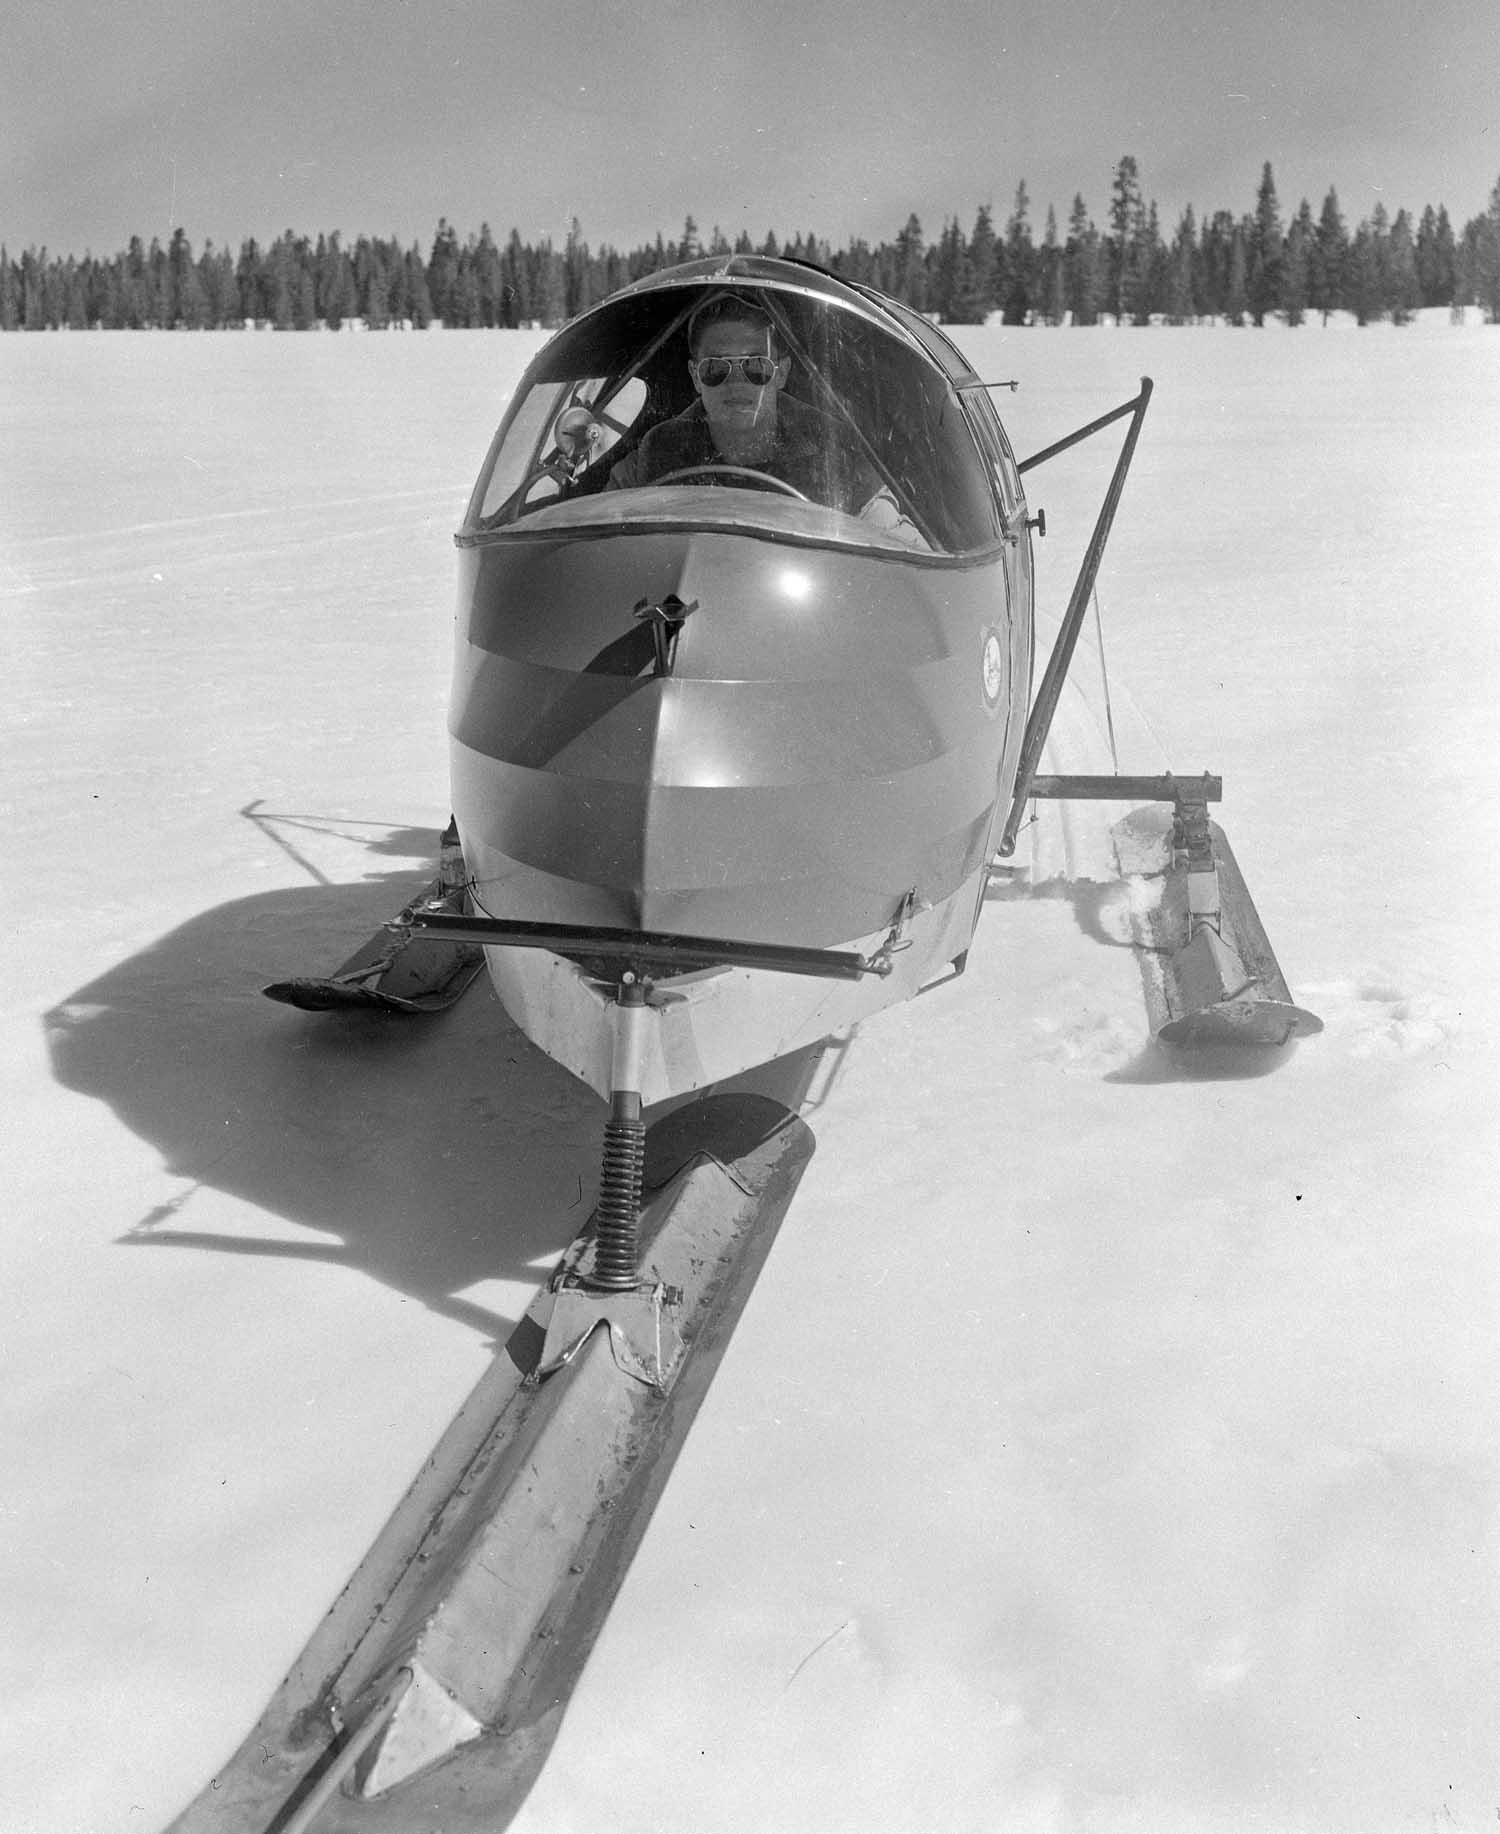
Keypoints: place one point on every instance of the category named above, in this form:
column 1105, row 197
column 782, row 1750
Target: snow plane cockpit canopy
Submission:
column 886, row 453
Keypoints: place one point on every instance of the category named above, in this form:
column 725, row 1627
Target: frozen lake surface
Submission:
column 1108, row 1445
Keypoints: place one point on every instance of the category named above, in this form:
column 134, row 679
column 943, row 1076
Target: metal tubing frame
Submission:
column 1039, row 722
column 1167, row 788
column 642, row 948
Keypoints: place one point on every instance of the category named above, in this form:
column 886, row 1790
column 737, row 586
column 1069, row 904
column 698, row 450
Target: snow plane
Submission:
column 743, row 719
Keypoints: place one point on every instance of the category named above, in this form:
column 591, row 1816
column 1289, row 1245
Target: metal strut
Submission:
column 617, row 1214
column 1040, row 720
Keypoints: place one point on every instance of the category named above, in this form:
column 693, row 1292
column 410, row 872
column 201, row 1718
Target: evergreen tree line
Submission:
column 1238, row 269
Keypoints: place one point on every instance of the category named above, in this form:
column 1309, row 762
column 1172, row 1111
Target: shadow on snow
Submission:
column 442, row 1151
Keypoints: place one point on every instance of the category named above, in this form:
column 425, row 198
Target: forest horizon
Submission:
column 1231, row 268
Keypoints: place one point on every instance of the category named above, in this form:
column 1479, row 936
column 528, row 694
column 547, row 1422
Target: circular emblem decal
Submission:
column 992, row 668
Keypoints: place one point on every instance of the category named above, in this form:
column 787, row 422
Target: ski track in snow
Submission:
column 1110, row 1443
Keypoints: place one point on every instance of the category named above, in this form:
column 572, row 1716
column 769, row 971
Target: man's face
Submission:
column 739, row 412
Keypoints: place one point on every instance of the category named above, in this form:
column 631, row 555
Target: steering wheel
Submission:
column 762, row 478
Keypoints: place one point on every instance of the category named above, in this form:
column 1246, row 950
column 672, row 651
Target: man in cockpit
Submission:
column 742, row 418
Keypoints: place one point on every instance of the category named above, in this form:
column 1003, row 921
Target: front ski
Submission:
column 395, row 970
column 428, row 1698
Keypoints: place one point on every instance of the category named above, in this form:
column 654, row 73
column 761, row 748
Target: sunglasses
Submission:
column 714, row 372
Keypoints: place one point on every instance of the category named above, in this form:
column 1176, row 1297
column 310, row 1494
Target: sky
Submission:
column 232, row 118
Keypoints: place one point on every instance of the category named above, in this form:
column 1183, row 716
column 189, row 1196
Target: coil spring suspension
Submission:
column 617, row 1214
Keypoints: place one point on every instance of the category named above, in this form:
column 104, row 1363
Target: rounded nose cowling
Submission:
column 804, row 758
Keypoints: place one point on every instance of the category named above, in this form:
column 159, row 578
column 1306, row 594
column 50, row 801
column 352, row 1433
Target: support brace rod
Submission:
column 1083, row 433
column 1168, row 788
column 646, row 948
column 1040, row 721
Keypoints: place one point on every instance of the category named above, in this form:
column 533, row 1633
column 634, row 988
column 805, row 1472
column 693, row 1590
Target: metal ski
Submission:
column 397, row 970
column 1210, row 975
column 429, row 1697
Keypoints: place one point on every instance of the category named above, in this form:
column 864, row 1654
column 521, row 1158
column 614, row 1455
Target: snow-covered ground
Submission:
column 1109, row 1445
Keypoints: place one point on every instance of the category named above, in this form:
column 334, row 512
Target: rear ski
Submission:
column 397, row 970
column 1210, row 975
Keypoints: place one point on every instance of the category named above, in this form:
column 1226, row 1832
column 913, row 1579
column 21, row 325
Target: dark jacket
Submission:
column 812, row 452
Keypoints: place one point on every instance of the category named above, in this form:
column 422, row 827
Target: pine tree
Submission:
column 337, row 296
column 1485, row 258
column 549, row 288
column 1445, row 259
column 1237, row 289
column 1150, row 263
column 463, row 295
column 1296, row 273
column 984, row 267
column 1362, row 277
column 1436, row 258
column 216, row 275
column 105, row 308
column 516, row 282
column 1124, row 219
column 29, row 288
column 1326, row 279
column 249, row 280
column 305, row 295
column 375, row 291
column 1403, row 288
column 322, row 289
column 397, row 286
column 857, row 263
column 182, row 298
column 1380, row 251
column 1052, row 274
column 135, row 285
column 611, row 273
column 1020, row 261
column 1264, row 280
column 442, row 270
column 418, row 296
column 911, row 276
column 67, row 304
column 1085, row 279
column 1181, row 302
column 489, row 278
column 161, row 307
column 576, row 289
column 951, row 287
column 281, row 284
column 1215, row 240
column 10, row 293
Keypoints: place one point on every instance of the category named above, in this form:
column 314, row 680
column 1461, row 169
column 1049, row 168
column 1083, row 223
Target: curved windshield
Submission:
column 749, row 405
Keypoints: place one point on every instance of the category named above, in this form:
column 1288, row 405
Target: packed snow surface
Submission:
column 1111, row 1442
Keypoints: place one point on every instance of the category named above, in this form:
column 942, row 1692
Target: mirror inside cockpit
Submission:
column 578, row 436
column 558, row 434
